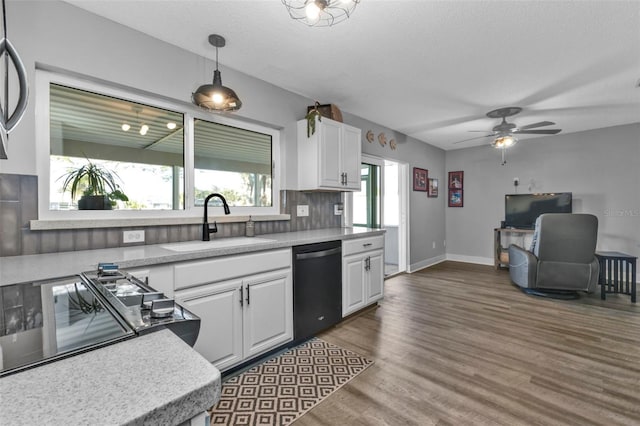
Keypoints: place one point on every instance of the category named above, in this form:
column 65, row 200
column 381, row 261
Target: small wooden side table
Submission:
column 617, row 273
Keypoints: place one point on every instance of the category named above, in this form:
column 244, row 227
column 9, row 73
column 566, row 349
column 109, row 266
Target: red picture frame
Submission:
column 420, row 179
column 456, row 197
column 456, row 180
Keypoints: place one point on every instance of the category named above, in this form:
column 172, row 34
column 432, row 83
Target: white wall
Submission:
column 600, row 167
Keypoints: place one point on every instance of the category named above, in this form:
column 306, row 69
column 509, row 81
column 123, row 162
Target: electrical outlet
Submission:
column 136, row 236
column 337, row 209
column 303, row 210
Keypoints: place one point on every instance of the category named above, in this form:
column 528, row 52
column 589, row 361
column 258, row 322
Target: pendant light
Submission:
column 216, row 97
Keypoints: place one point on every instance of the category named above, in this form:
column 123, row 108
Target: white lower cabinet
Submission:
column 242, row 317
column 362, row 273
column 220, row 312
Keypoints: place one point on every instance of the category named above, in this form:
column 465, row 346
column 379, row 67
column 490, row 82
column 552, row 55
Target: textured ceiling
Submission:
column 430, row 69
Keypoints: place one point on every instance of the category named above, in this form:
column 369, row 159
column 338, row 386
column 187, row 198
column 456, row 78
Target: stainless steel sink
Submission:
column 214, row 244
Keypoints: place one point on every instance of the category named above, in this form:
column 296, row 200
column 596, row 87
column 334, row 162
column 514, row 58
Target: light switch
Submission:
column 303, row 210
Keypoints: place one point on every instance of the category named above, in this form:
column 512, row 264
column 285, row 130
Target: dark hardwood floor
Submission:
column 457, row 344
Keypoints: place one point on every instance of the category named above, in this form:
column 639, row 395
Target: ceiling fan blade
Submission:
column 539, row 124
column 539, row 132
column 478, row 137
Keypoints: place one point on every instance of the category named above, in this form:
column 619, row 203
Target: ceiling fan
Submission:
column 504, row 132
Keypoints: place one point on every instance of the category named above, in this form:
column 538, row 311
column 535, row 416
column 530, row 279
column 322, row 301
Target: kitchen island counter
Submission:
column 151, row 379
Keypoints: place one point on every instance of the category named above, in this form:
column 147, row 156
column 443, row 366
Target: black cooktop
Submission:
column 47, row 320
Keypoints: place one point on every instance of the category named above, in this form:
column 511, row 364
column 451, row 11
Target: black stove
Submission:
column 48, row 320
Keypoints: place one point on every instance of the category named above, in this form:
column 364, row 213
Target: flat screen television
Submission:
column 522, row 210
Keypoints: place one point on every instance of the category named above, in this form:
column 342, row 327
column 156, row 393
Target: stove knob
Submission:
column 162, row 308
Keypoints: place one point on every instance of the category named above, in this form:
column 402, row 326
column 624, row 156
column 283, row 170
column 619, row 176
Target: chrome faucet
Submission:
column 206, row 230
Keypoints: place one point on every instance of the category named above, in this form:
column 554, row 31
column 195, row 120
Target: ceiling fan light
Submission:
column 320, row 13
column 503, row 142
column 144, row 129
column 312, row 10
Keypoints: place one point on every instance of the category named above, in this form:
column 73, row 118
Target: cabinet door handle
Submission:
column 241, row 297
column 248, row 296
column 367, row 244
column 346, row 178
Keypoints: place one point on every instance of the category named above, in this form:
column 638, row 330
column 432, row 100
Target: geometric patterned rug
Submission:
column 283, row 388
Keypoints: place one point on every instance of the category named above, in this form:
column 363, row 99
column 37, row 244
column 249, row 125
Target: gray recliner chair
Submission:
column 562, row 258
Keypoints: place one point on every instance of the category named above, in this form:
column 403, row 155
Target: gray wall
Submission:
column 55, row 34
column 59, row 35
column 600, row 167
column 426, row 215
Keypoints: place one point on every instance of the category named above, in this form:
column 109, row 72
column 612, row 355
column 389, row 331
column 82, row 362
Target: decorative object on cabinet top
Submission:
column 9, row 121
column 327, row 110
column 312, row 113
column 370, row 136
column 393, row 145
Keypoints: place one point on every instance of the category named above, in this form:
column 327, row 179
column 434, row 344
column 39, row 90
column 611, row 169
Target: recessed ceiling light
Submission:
column 125, row 127
column 171, row 125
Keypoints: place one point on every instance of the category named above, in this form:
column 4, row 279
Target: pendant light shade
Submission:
column 215, row 96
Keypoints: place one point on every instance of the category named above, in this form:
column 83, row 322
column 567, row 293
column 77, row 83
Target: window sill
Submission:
column 44, row 225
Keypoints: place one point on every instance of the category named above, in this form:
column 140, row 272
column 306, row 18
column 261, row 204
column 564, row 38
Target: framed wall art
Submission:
column 420, row 177
column 456, row 180
column 433, row 188
column 455, row 198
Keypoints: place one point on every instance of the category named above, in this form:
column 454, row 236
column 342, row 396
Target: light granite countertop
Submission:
column 152, row 379
column 17, row 269
column 149, row 380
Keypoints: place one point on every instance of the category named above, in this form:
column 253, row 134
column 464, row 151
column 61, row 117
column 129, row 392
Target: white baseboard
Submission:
column 414, row 267
column 470, row 259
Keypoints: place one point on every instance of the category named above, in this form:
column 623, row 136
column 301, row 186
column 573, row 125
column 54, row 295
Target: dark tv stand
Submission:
column 501, row 254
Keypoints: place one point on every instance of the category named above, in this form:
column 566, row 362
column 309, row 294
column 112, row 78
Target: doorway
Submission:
column 382, row 203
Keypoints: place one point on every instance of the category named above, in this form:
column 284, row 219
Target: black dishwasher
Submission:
column 317, row 288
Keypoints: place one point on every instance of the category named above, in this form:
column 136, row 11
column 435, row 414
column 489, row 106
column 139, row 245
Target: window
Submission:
column 140, row 146
column 164, row 156
column 234, row 162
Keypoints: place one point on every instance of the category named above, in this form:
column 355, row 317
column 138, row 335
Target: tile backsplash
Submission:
column 19, row 205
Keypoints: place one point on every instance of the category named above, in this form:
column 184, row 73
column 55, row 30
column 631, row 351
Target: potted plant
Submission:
column 97, row 185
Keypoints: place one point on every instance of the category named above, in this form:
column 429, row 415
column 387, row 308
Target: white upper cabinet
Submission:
column 330, row 158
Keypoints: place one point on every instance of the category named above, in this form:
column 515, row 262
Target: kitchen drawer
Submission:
column 191, row 274
column 362, row 244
